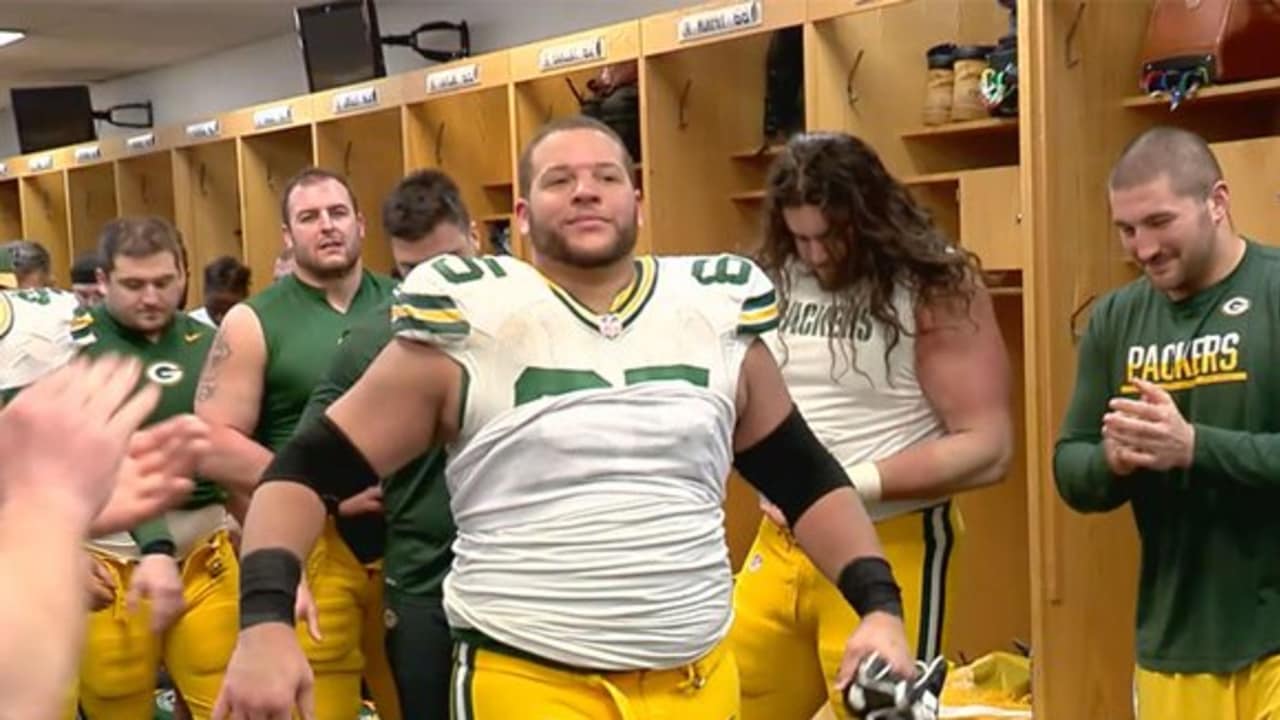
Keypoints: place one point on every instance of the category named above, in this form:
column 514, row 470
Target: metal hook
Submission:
column 204, row 175
column 142, row 190
column 850, row 91
column 1071, row 35
column 1076, row 335
column 574, row 89
column 684, row 103
column 440, row 145
column 346, row 158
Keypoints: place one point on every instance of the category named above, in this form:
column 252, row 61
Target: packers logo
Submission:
column 6, row 315
column 1235, row 306
column 164, row 373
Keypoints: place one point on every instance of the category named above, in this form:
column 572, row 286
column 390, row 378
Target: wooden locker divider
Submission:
column 458, row 119
column 10, row 209
column 275, row 141
column 544, row 76
column 358, row 134
column 1084, row 61
column 206, row 202
column 91, row 202
column 705, row 102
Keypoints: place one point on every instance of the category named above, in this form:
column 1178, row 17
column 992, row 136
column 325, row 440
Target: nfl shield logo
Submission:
column 610, row 326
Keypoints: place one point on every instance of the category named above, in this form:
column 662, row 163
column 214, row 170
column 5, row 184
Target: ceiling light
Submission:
column 9, row 37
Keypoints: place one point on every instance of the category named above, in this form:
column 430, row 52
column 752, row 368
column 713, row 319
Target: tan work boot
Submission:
column 940, row 86
column 966, row 101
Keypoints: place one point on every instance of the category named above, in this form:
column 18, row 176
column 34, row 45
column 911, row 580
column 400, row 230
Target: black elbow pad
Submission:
column 791, row 467
column 322, row 457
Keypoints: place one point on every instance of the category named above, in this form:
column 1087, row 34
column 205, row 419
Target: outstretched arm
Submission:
column 778, row 454
column 61, row 442
column 408, row 399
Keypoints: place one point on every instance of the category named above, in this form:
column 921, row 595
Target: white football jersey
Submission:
column 861, row 404
column 588, row 478
column 37, row 334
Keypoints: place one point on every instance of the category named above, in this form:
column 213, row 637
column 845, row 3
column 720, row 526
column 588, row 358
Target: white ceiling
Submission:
column 90, row 41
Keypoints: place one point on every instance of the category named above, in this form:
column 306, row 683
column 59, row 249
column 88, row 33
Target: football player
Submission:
column 592, row 404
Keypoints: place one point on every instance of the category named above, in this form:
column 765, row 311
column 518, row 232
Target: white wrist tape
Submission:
column 865, row 477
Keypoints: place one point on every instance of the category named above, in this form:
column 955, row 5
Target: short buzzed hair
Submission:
column 1182, row 155
column 572, row 122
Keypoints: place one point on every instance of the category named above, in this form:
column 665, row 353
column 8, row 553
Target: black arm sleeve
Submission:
column 321, row 456
column 791, row 467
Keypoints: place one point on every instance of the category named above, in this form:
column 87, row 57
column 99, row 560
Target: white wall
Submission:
column 273, row 68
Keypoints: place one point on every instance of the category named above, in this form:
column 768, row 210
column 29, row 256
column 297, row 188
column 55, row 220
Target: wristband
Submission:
column 867, row 584
column 268, row 587
column 865, row 477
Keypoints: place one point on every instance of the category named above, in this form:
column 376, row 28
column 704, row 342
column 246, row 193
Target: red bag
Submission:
column 1221, row 40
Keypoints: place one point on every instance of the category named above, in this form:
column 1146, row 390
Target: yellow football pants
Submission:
column 490, row 685
column 791, row 624
column 121, row 654
column 1252, row 693
column 348, row 600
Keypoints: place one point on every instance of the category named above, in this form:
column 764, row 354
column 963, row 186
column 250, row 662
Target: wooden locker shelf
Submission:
column 940, row 178
column 758, row 154
column 206, row 201
column 1235, row 92
column 753, row 196
column 985, row 126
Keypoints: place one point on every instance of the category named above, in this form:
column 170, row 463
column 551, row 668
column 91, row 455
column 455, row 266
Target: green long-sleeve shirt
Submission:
column 419, row 524
column 1209, row 588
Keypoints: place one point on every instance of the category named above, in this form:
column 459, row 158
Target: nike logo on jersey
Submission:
column 192, row 337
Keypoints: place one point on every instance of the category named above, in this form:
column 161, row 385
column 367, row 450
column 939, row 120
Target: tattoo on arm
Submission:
column 209, row 378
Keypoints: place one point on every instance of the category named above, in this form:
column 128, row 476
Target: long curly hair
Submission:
column 881, row 237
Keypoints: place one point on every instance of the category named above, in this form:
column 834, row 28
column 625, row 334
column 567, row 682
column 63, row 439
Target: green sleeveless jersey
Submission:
column 419, row 525
column 1209, row 588
column 173, row 362
column 301, row 330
